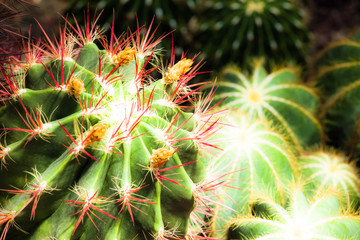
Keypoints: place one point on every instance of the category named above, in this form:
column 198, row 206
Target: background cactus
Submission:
column 272, row 161
column 257, row 155
column 92, row 146
column 337, row 75
column 278, row 96
column 252, row 28
column 301, row 218
column 329, row 170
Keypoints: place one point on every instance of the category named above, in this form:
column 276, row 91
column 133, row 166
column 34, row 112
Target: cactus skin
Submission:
column 301, row 218
column 245, row 29
column 329, row 170
column 94, row 147
column 336, row 74
column 277, row 96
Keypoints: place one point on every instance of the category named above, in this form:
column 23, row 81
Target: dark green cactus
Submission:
column 336, row 73
column 241, row 30
column 93, row 147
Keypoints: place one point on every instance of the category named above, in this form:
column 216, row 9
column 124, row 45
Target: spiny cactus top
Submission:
column 251, row 28
column 277, row 96
column 92, row 146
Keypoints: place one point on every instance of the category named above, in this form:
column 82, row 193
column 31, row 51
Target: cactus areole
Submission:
column 93, row 147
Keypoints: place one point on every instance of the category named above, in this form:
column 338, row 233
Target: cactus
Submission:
column 336, row 74
column 93, row 147
column 301, row 218
column 252, row 28
column 278, row 96
column 257, row 155
column 268, row 152
column 330, row 170
column 267, row 165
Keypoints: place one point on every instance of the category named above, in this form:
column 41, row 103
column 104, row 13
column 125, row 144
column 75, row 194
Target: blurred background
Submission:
column 214, row 28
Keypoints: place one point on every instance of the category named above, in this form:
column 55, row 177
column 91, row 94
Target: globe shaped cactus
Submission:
column 241, row 30
column 257, row 155
column 332, row 171
column 93, row 147
column 278, row 96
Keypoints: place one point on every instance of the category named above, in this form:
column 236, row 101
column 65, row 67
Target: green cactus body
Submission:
column 257, row 155
column 277, row 96
column 94, row 148
column 329, row 170
column 337, row 75
column 300, row 219
column 245, row 29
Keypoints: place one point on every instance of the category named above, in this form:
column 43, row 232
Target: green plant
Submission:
column 336, row 73
column 93, row 147
column 257, row 155
column 241, row 30
column 273, row 122
column 301, row 218
column 278, row 96
column 267, row 165
column 330, row 170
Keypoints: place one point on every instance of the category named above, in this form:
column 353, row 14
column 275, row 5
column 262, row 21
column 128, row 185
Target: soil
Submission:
column 331, row 20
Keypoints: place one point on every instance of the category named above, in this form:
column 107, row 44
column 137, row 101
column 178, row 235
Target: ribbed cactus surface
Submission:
column 258, row 156
column 337, row 76
column 273, row 121
column 241, row 30
column 278, row 96
column 93, row 147
column 332, row 171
